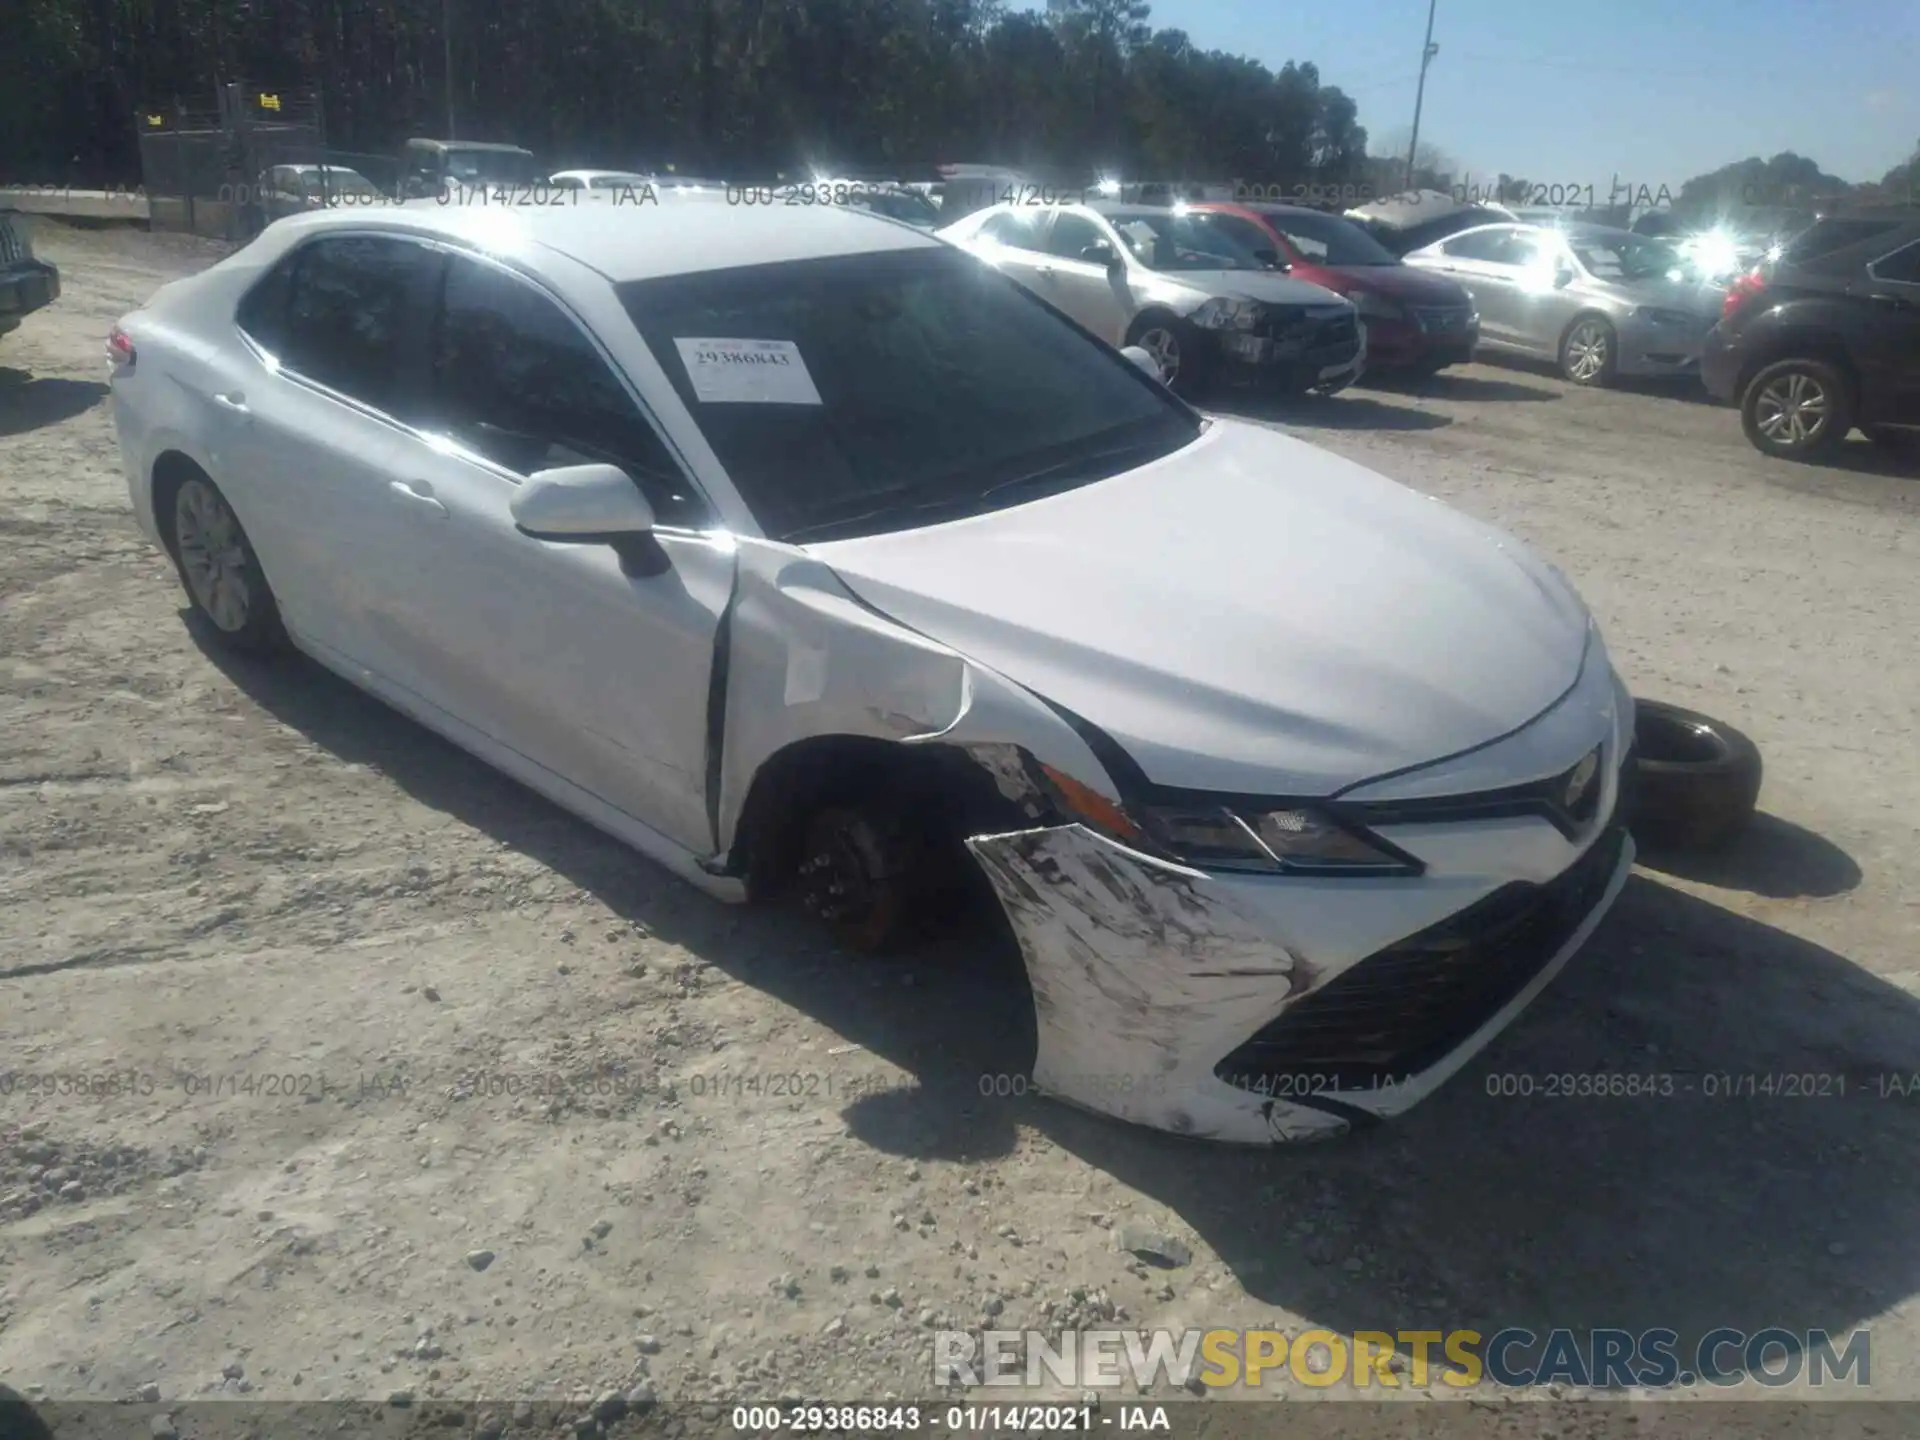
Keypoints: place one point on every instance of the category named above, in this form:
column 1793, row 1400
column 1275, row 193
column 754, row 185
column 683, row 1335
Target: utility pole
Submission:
column 446, row 41
column 1427, row 52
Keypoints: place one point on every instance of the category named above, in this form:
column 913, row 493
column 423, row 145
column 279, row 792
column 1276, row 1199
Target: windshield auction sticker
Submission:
column 747, row 372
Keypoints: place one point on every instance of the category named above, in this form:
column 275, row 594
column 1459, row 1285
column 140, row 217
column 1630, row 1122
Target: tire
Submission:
column 860, row 872
column 1167, row 337
column 220, row 571
column 1695, row 782
column 1797, row 409
column 1590, row 352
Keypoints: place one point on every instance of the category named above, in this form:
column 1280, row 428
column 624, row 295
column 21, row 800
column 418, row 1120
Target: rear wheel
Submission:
column 220, row 571
column 1797, row 409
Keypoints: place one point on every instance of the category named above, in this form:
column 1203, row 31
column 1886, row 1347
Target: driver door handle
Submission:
column 419, row 493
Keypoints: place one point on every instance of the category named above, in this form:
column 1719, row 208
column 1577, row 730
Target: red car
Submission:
column 1415, row 320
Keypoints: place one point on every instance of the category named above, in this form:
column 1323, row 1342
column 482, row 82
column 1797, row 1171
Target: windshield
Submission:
column 902, row 205
column 1329, row 240
column 1626, row 257
column 508, row 167
column 1172, row 240
column 867, row 393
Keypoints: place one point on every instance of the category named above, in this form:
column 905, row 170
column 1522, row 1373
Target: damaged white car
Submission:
column 800, row 550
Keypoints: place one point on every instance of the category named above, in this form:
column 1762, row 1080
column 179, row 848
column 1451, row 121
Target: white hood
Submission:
column 1249, row 614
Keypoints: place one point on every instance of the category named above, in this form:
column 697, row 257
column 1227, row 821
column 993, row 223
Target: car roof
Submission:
column 469, row 145
column 677, row 236
column 1117, row 210
column 1270, row 207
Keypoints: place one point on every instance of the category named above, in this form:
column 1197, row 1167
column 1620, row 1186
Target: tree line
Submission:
column 748, row 88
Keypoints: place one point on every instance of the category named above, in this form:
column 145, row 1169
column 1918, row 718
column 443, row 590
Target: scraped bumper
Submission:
column 1254, row 1010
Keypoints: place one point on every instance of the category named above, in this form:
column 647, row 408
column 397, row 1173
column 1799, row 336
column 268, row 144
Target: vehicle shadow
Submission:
column 1771, row 857
column 1345, row 411
column 1719, row 1198
column 27, row 403
column 1449, row 386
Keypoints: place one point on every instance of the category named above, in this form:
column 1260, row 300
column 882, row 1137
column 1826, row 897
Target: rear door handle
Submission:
column 234, row 403
column 419, row 493
column 1045, row 270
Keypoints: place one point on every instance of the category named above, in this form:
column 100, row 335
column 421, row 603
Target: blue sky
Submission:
column 1655, row 91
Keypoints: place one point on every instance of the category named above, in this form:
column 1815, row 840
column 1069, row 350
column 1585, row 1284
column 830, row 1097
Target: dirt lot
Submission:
column 503, row 1033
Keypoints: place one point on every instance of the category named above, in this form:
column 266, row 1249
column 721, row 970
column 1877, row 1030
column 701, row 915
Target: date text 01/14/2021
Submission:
column 953, row 1419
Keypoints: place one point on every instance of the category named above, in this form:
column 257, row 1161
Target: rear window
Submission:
column 1826, row 238
column 866, row 393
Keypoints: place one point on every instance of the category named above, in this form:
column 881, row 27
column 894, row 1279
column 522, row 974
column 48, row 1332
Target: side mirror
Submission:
column 1562, row 277
column 1143, row 357
column 1099, row 253
column 1271, row 257
column 581, row 504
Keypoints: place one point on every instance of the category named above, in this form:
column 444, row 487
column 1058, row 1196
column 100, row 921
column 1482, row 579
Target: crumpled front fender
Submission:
column 1144, row 975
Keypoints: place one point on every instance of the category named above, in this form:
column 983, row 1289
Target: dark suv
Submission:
column 1826, row 337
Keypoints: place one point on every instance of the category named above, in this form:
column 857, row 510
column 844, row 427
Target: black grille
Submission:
column 1400, row 1011
column 11, row 250
column 1344, row 331
column 1291, row 327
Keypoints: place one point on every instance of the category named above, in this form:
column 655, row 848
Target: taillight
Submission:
column 120, row 348
column 1741, row 291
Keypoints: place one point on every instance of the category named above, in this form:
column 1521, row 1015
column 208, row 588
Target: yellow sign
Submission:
column 155, row 121
column 269, row 102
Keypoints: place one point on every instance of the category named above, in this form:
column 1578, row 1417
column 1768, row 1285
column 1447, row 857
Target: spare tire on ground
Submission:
column 1695, row 779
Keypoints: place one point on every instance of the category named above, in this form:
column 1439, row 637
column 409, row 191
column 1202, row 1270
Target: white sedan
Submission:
column 804, row 552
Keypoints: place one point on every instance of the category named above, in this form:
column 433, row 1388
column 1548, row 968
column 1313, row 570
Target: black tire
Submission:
column 1589, row 352
column 1776, row 406
column 220, row 570
column 1696, row 780
column 860, row 872
column 1192, row 374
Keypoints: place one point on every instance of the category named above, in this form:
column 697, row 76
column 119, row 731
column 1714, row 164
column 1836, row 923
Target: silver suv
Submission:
column 1179, row 285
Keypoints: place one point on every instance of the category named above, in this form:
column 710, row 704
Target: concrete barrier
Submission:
column 62, row 202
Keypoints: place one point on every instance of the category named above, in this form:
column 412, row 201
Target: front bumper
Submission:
column 1292, row 367
column 1720, row 367
column 1409, row 344
column 1648, row 351
column 26, row 287
column 1255, row 1009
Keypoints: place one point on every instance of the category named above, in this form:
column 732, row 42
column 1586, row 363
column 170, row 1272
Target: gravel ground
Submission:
column 436, row 1090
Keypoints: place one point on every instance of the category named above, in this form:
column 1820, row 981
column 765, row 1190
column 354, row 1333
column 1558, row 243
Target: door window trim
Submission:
column 444, row 246
column 1873, row 272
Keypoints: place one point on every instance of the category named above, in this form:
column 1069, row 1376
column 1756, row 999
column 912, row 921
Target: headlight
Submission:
column 1376, row 307
column 1221, row 313
column 1299, row 840
column 1658, row 316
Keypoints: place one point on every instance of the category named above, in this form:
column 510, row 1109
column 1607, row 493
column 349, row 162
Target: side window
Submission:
column 262, row 314
column 1071, row 234
column 350, row 301
column 1010, row 227
column 1491, row 245
column 516, row 380
column 1903, row 266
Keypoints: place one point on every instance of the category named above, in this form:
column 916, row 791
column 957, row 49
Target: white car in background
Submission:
column 803, row 552
column 1178, row 284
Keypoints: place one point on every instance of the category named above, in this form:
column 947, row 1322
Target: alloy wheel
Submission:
column 1587, row 351
column 1792, row 410
column 1164, row 346
column 213, row 555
